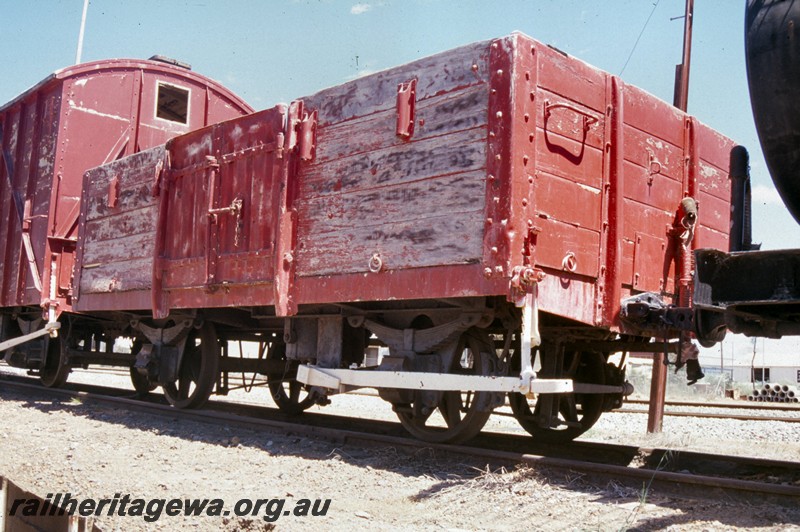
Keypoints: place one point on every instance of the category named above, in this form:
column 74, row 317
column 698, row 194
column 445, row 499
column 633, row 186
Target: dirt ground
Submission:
column 55, row 446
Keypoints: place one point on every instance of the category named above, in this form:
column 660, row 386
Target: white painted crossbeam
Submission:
column 340, row 379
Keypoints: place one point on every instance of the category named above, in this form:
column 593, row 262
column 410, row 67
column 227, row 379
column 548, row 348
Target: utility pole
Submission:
column 658, row 382
column 681, row 99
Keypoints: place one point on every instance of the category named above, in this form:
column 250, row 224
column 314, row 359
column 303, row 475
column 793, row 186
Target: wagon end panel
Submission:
column 97, row 130
column 218, row 214
column 655, row 180
column 555, row 174
column 714, row 188
column 172, row 104
column 669, row 156
column 116, row 234
column 608, row 166
column 394, row 195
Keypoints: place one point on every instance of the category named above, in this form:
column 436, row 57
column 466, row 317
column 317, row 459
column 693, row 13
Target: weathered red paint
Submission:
column 75, row 119
column 522, row 159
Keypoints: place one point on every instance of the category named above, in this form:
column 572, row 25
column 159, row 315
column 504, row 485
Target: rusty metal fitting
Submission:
column 570, row 262
column 376, row 263
column 531, row 275
column 525, row 277
column 212, row 161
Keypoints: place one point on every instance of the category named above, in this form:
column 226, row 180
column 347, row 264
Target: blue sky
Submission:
column 276, row 50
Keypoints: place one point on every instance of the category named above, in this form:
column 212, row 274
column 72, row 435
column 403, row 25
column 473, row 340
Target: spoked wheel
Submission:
column 55, row 370
column 290, row 395
column 576, row 413
column 198, row 371
column 458, row 416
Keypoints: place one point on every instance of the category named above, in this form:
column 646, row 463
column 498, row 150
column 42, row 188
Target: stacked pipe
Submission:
column 775, row 393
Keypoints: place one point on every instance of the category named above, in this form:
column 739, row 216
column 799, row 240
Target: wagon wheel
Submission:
column 140, row 382
column 458, row 416
column 55, row 371
column 290, row 395
column 198, row 371
column 576, row 412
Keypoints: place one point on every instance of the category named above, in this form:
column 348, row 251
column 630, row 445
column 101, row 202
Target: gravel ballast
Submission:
column 65, row 446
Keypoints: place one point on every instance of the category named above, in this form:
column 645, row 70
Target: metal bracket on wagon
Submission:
column 406, row 341
column 343, row 380
column 523, row 279
column 648, row 314
column 160, row 359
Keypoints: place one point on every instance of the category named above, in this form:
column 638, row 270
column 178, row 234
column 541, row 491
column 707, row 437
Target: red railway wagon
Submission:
column 488, row 214
column 75, row 119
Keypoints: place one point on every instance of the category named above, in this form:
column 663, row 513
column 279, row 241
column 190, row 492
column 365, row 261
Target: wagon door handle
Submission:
column 588, row 119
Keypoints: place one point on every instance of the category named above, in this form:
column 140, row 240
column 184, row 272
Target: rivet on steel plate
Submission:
column 487, row 272
column 499, row 114
column 499, row 72
column 494, row 249
column 474, row 67
column 524, row 202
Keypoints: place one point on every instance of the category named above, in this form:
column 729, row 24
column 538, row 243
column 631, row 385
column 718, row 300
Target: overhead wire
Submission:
column 635, row 44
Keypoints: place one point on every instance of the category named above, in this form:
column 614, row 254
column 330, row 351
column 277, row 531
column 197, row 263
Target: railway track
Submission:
column 670, row 405
column 733, row 406
column 712, row 415
column 670, row 472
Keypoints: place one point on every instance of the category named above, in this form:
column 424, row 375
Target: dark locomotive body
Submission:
column 487, row 214
column 757, row 293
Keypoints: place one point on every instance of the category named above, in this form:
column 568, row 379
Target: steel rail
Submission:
column 713, row 415
column 734, row 406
